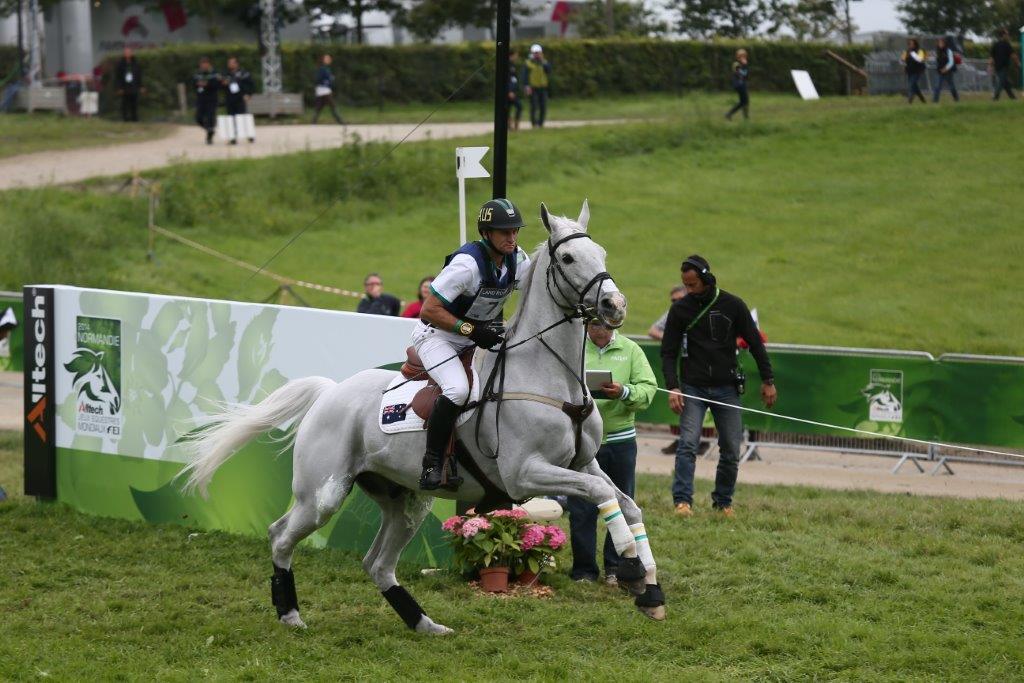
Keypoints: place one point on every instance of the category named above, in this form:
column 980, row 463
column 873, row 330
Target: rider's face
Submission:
column 504, row 241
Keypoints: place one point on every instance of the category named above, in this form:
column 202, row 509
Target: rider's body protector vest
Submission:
column 486, row 303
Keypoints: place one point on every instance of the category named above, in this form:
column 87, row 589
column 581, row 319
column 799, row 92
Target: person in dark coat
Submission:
column 205, row 84
column 324, row 90
column 129, row 84
column 1000, row 59
column 945, row 63
column 913, row 60
column 239, row 88
column 740, row 73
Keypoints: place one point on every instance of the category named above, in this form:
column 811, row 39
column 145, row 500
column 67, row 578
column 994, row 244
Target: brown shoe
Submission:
column 726, row 511
column 684, row 510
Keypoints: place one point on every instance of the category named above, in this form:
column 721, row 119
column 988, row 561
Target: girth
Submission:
column 577, row 413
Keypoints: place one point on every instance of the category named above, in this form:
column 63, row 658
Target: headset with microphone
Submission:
column 703, row 270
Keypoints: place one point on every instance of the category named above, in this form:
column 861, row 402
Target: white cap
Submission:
column 535, row 48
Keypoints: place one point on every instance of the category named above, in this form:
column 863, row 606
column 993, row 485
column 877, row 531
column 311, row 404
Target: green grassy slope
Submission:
column 846, row 222
column 37, row 132
column 803, row 585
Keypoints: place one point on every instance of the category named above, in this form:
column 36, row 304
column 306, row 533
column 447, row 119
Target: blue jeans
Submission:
column 914, row 87
column 538, row 107
column 618, row 460
column 945, row 78
column 1003, row 83
column 728, row 422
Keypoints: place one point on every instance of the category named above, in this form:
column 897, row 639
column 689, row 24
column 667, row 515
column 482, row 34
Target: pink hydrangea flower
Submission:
column 556, row 537
column 514, row 513
column 473, row 525
column 532, row 536
column 452, row 524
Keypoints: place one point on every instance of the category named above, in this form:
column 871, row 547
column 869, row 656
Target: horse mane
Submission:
column 538, row 253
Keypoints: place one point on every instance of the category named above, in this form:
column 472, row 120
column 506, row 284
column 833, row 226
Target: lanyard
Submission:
column 703, row 311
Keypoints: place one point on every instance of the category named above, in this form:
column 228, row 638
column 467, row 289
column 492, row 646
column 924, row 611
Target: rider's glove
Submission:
column 486, row 337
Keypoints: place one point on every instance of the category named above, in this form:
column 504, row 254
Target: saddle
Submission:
column 423, row 402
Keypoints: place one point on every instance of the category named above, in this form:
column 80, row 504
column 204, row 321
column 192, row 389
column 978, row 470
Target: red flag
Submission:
column 174, row 13
column 561, row 13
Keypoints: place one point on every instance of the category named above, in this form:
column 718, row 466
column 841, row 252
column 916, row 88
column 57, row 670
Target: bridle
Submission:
column 579, row 311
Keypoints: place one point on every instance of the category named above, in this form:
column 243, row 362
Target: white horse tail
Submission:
column 235, row 426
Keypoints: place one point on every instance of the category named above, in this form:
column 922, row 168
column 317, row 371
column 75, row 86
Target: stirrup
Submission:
column 451, row 481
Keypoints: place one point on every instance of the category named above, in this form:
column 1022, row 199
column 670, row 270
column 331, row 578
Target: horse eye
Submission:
column 567, row 259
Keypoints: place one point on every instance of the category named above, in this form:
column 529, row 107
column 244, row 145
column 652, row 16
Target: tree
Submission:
column 939, row 17
column 427, row 18
column 1008, row 14
column 627, row 19
column 723, row 18
column 816, row 19
column 353, row 8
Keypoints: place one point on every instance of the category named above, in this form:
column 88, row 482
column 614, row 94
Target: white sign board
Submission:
column 804, row 85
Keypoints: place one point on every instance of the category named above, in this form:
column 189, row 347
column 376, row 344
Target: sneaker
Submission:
column 611, row 580
column 725, row 510
column 684, row 510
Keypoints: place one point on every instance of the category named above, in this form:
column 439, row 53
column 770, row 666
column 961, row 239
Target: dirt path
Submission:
column 186, row 143
column 823, row 469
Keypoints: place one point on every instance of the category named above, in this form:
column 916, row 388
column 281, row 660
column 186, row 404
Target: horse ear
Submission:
column 584, row 215
column 544, row 217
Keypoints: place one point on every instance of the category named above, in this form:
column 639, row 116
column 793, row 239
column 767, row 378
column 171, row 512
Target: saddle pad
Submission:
column 396, row 416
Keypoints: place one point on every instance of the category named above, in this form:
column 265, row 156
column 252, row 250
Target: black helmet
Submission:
column 499, row 214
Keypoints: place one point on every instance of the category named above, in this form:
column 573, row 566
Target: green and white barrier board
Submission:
column 113, row 378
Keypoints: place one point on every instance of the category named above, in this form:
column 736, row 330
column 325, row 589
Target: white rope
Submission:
column 847, row 429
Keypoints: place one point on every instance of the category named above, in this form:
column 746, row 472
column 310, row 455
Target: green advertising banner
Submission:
column 12, row 332
column 977, row 402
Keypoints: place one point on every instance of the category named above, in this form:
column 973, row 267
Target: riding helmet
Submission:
column 499, row 214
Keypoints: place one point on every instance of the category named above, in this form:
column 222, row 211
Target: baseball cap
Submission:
column 535, row 48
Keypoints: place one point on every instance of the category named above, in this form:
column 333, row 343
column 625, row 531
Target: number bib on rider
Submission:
column 488, row 302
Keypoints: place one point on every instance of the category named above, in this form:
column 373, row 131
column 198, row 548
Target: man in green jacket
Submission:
column 536, row 73
column 631, row 390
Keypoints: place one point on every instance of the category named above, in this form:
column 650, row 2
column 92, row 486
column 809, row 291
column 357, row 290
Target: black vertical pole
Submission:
column 504, row 31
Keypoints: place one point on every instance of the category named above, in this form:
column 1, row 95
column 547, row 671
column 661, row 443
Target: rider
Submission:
column 463, row 309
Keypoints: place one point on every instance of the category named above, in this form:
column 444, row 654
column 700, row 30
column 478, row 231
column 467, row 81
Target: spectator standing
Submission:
column 631, row 390
column 414, row 307
column 657, row 330
column 240, row 88
column 1001, row 57
column 740, row 73
column 129, row 84
column 324, row 90
column 515, row 105
column 536, row 75
column 205, row 84
column 376, row 302
column 913, row 63
column 700, row 340
column 946, row 64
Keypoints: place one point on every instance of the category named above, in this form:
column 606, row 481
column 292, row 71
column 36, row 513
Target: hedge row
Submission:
column 8, row 60
column 586, row 68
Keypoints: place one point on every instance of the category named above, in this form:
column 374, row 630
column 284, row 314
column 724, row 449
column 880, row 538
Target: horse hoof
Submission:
column 656, row 613
column 293, row 619
column 427, row 625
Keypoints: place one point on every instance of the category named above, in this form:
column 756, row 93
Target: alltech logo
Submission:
column 40, row 401
column 39, row 348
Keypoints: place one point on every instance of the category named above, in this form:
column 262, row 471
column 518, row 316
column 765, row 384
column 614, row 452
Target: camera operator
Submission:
column 700, row 341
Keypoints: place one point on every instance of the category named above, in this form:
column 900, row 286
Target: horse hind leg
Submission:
column 402, row 513
column 310, row 512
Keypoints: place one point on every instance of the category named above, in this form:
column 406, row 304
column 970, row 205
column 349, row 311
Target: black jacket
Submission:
column 712, row 341
column 205, row 85
column 125, row 67
column 242, row 79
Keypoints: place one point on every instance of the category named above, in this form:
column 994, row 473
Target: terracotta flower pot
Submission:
column 527, row 577
column 494, row 579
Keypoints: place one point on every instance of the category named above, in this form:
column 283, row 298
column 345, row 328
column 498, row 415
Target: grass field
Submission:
column 859, row 222
column 25, row 133
column 803, row 585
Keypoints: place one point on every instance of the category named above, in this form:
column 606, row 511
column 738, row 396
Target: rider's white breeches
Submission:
column 434, row 346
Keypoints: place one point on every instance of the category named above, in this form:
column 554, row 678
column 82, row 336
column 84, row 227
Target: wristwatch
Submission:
column 465, row 329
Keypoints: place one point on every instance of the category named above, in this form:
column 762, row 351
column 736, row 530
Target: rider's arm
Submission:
column 433, row 312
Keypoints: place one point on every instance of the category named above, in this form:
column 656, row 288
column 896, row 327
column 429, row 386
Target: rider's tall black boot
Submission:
column 439, row 431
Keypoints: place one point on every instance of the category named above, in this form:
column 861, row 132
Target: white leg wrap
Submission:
column 643, row 551
column 622, row 539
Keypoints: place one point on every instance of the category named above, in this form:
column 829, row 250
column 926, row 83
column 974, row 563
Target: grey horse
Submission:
column 338, row 443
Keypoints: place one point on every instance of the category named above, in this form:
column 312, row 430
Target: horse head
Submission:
column 92, row 380
column 576, row 274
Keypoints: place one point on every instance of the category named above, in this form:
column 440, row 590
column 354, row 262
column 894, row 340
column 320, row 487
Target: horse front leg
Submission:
column 650, row 599
column 537, row 477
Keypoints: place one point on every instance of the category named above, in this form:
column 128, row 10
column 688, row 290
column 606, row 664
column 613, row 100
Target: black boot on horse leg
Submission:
column 439, row 432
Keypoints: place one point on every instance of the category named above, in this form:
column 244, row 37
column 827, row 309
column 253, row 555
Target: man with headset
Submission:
column 464, row 309
column 700, row 341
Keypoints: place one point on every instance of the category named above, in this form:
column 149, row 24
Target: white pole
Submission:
column 462, row 210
